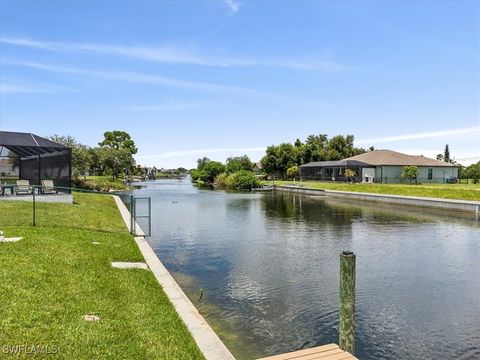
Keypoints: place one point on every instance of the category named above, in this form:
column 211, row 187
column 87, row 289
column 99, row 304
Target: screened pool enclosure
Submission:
column 38, row 158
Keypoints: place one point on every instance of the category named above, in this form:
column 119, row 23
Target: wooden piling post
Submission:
column 347, row 302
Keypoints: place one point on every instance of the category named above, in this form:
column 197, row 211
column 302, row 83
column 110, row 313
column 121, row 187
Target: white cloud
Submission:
column 463, row 157
column 6, row 88
column 21, row 89
column 169, row 106
column 140, row 78
column 233, row 5
column 172, row 154
column 421, row 135
column 178, row 55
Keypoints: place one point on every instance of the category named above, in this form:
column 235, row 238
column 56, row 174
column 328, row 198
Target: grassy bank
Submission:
column 55, row 275
column 444, row 191
column 101, row 183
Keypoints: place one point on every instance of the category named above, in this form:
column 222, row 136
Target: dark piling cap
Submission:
column 347, row 253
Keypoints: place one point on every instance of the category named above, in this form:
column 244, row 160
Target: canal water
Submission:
column 268, row 267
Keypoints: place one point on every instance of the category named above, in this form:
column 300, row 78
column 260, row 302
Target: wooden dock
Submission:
column 324, row 352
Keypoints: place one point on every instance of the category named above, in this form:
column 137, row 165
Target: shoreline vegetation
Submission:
column 56, row 275
column 236, row 174
column 101, row 183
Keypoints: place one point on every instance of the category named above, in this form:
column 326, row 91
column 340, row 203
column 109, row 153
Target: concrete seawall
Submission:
column 207, row 340
column 445, row 204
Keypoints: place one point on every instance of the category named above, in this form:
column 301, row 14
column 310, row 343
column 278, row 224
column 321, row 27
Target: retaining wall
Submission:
column 446, row 204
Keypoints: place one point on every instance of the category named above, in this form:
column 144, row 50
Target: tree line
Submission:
column 464, row 172
column 112, row 157
column 283, row 159
column 471, row 172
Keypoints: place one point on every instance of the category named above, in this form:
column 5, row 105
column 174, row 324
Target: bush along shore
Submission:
column 236, row 174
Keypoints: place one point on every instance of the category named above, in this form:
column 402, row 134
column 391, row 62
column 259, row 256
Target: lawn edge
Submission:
column 206, row 339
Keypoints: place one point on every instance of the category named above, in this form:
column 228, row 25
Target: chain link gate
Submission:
column 141, row 219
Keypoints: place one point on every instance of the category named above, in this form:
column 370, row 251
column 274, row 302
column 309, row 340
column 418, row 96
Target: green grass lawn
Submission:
column 55, row 275
column 445, row 191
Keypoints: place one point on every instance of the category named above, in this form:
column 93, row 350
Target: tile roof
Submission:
column 389, row 157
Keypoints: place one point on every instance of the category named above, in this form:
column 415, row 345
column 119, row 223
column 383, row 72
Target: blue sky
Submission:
column 217, row 78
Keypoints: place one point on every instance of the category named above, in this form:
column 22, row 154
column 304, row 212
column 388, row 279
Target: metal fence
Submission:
column 72, row 208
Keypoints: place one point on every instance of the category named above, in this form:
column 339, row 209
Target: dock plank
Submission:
column 324, row 352
column 321, row 355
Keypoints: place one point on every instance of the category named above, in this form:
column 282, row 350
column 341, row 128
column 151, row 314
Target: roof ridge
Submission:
column 395, row 158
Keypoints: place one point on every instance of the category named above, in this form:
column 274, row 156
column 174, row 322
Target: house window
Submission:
column 430, row 174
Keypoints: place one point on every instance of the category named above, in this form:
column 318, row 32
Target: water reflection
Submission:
column 269, row 266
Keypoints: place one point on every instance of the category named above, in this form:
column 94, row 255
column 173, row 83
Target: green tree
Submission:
column 410, row 173
column 80, row 154
column 315, row 147
column 238, row 163
column 195, row 174
column 320, row 148
column 119, row 140
column 210, row 171
column 472, row 172
column 96, row 166
column 270, row 160
column 287, row 157
column 341, row 147
column 115, row 162
column 202, row 162
column 446, row 154
column 115, row 154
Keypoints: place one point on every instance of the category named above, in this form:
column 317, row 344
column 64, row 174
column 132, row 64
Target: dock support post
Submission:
column 347, row 302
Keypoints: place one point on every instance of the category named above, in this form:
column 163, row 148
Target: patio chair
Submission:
column 48, row 187
column 23, row 187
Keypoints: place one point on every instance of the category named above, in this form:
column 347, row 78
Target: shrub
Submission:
column 220, row 181
column 203, row 176
column 195, row 174
column 292, row 171
column 242, row 180
column 350, row 173
column 410, row 173
column 238, row 163
column 230, row 182
column 210, row 171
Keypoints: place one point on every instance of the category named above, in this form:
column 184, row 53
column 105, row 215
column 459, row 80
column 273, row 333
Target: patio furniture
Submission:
column 10, row 187
column 23, row 187
column 48, row 187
